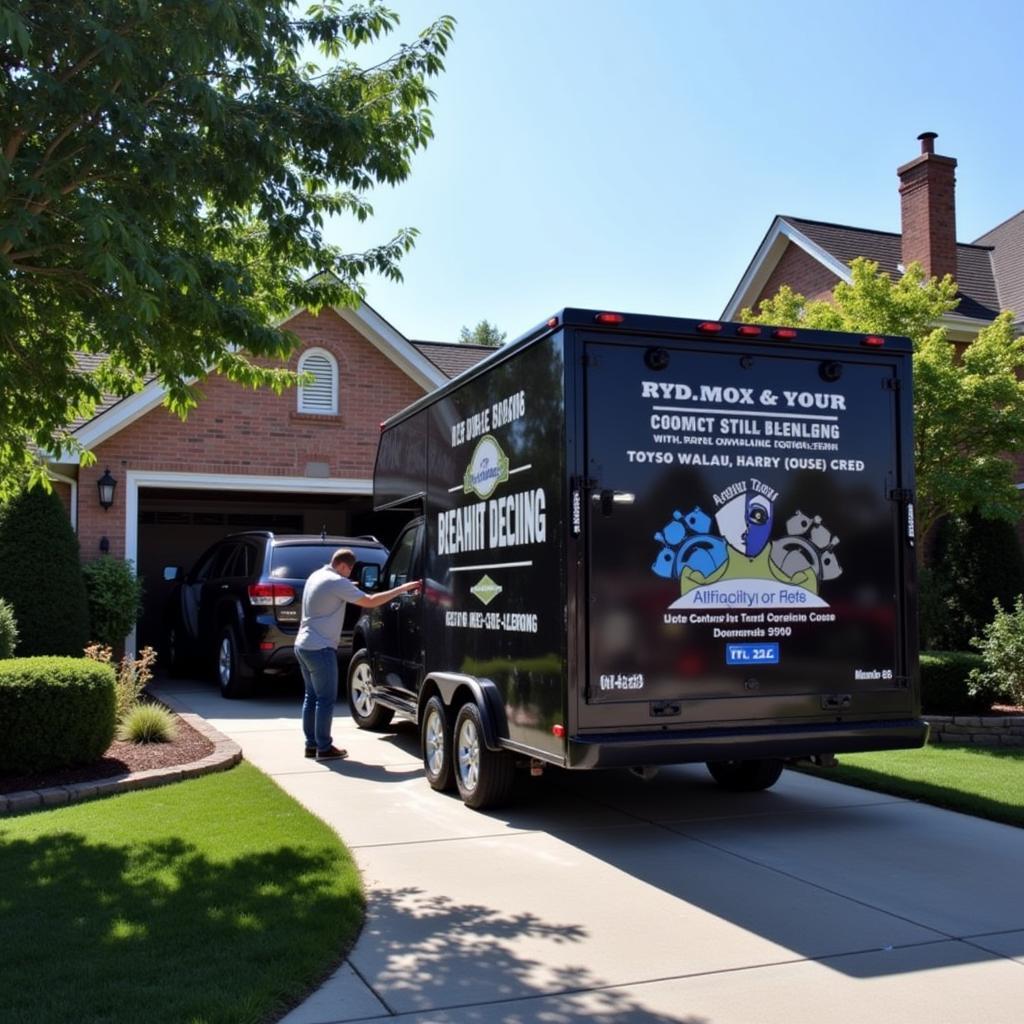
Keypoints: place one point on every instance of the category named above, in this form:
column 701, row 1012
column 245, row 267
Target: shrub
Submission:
column 54, row 712
column 8, row 630
column 114, row 593
column 976, row 561
column 40, row 575
column 148, row 723
column 944, row 684
column 132, row 675
column 1002, row 650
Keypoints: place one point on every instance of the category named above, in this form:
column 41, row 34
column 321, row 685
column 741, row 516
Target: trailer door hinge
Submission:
column 901, row 494
column 890, row 383
column 589, row 360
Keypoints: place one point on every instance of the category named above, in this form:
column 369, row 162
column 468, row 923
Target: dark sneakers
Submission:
column 310, row 751
column 330, row 754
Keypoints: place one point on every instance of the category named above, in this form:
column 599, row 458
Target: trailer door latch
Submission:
column 665, row 708
column 836, row 701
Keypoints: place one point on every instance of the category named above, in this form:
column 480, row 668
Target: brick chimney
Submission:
column 928, row 208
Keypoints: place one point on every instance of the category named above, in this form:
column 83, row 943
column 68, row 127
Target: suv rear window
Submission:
column 297, row 561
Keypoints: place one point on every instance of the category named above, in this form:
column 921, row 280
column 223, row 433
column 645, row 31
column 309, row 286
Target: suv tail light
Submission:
column 270, row 594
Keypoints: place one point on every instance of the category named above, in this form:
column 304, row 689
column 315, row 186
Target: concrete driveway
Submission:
column 603, row 898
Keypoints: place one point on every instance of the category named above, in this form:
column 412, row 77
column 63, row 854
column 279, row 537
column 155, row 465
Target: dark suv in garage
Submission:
column 236, row 612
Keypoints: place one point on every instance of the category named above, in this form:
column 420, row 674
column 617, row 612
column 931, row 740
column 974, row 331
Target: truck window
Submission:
column 400, row 565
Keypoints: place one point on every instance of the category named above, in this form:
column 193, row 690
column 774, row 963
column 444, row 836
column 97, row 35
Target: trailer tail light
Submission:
column 558, row 730
column 709, row 327
column 748, row 331
column 783, row 332
column 270, row 595
column 266, row 645
column 609, row 318
column 874, row 341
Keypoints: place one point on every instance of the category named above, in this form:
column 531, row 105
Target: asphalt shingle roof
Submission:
column 1007, row 241
column 452, row 359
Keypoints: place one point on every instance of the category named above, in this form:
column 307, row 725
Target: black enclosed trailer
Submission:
column 647, row 540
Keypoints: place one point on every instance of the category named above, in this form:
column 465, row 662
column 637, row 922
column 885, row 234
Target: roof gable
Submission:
column 1007, row 242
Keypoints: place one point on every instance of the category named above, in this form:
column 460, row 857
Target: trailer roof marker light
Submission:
column 609, row 318
column 783, row 332
column 874, row 341
column 709, row 327
column 558, row 730
column 553, row 322
column 748, row 330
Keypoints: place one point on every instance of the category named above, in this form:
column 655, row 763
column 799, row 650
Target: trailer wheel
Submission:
column 484, row 777
column 746, row 776
column 436, row 743
column 365, row 711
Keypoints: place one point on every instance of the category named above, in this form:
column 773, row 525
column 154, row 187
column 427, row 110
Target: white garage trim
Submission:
column 139, row 478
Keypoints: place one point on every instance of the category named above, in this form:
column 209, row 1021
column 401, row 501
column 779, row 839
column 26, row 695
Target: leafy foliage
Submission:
column 968, row 402
column 40, row 574
column 115, row 599
column 484, row 333
column 1001, row 644
column 147, row 723
column 166, row 172
column 54, row 712
column 975, row 561
column 8, row 630
column 945, row 689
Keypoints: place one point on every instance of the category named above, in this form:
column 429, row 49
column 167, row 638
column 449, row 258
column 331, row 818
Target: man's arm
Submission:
column 375, row 600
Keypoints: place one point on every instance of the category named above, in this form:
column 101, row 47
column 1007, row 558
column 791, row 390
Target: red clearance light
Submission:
column 609, row 318
column 553, row 322
column 708, row 327
column 783, row 332
column 748, row 331
column 270, row 594
column 266, row 645
column 874, row 340
column 558, row 730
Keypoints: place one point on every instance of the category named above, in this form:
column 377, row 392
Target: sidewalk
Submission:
column 601, row 898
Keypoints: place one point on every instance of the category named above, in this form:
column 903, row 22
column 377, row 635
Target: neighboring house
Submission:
column 297, row 462
column 812, row 257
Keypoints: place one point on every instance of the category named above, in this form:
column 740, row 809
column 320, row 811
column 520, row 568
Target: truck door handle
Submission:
column 609, row 499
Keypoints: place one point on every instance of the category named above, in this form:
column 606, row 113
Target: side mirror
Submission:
column 369, row 577
column 172, row 573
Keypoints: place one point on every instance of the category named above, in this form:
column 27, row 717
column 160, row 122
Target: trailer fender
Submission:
column 484, row 693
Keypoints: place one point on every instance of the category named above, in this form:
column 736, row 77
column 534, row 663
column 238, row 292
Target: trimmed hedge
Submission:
column 54, row 712
column 944, row 684
column 115, row 600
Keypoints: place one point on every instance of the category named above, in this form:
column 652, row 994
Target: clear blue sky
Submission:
column 631, row 156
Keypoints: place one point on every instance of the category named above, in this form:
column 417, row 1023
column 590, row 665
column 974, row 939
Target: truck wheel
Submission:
column 484, row 777
column 436, row 742
column 746, row 776
column 365, row 711
column 234, row 678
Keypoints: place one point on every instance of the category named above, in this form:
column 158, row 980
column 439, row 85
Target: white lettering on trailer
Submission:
column 517, row 519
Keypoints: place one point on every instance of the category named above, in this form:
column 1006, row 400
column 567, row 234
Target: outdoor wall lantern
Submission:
column 105, row 485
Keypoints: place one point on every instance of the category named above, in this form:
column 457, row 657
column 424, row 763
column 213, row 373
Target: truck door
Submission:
column 744, row 526
column 400, row 643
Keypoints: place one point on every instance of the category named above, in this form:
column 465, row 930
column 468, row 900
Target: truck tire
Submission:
column 436, row 743
column 484, row 777
column 233, row 676
column 365, row 711
column 746, row 776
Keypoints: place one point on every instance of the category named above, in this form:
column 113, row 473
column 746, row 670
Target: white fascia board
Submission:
column 779, row 235
column 247, row 482
column 390, row 343
column 119, row 416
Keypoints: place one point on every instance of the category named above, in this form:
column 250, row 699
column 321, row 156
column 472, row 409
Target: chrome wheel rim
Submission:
column 224, row 661
column 469, row 755
column 433, row 742
column 362, row 690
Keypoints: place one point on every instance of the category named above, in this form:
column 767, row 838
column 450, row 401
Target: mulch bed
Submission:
column 120, row 758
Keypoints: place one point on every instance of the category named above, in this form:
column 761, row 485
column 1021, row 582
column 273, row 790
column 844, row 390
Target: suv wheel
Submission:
column 484, row 777
column 366, row 712
column 436, row 742
column 233, row 677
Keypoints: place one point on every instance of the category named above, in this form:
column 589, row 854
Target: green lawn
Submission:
column 214, row 900
column 987, row 782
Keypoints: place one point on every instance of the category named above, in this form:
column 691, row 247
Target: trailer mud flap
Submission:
column 743, row 538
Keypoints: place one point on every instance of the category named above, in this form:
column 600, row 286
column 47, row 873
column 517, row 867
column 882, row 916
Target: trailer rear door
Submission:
column 745, row 524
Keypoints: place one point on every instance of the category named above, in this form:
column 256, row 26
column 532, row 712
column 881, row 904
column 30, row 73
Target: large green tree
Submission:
column 968, row 401
column 166, row 171
column 485, row 333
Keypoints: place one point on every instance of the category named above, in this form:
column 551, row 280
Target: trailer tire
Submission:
column 436, row 744
column 746, row 776
column 365, row 711
column 484, row 777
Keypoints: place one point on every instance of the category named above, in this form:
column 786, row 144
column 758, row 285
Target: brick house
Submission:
column 294, row 463
column 813, row 256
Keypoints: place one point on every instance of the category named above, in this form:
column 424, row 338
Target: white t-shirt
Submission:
column 323, row 609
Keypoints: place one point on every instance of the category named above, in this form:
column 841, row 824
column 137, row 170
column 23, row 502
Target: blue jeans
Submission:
column 320, row 674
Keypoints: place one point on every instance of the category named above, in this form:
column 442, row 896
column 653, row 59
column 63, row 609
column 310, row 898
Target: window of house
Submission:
column 321, row 395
